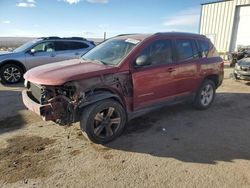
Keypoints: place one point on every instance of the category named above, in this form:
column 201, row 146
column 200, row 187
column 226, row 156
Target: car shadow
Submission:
column 12, row 123
column 11, row 104
column 220, row 133
column 247, row 83
column 17, row 85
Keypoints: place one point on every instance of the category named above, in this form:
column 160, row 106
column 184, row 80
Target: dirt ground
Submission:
column 171, row 147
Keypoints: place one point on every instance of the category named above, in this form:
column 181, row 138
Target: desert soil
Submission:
column 174, row 146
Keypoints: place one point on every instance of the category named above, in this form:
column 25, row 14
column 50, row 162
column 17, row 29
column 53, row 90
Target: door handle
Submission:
column 170, row 70
column 77, row 53
column 52, row 55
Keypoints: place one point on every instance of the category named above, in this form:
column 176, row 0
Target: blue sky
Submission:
column 90, row 18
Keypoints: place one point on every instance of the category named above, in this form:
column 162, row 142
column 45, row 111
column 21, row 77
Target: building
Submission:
column 226, row 23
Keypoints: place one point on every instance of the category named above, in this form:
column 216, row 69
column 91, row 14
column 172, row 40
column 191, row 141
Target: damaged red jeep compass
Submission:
column 122, row 77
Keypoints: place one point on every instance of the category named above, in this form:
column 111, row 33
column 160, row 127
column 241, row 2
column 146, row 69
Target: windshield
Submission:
column 25, row 46
column 112, row 51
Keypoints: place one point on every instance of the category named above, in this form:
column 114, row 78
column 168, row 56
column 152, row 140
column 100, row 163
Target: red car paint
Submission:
column 136, row 88
column 62, row 72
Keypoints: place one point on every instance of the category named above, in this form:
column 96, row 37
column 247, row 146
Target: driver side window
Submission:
column 44, row 47
column 159, row 52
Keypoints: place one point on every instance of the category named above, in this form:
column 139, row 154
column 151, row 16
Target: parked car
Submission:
column 122, row 77
column 242, row 69
column 243, row 52
column 39, row 52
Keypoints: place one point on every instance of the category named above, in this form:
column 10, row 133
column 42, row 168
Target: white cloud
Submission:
column 89, row 1
column 6, row 22
column 98, row 1
column 72, row 1
column 189, row 17
column 27, row 4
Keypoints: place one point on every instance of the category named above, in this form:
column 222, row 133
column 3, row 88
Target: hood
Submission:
column 65, row 71
column 244, row 62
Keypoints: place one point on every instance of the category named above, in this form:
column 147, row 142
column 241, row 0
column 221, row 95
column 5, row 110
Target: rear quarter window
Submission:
column 207, row 49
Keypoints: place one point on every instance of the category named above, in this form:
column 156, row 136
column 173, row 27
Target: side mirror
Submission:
column 142, row 60
column 32, row 51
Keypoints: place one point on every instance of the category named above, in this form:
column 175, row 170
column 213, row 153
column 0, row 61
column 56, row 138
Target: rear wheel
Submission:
column 103, row 121
column 205, row 96
column 11, row 74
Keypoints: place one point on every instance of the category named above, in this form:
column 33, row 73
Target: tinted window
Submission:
column 204, row 45
column 45, row 47
column 184, row 49
column 79, row 45
column 62, row 45
column 159, row 52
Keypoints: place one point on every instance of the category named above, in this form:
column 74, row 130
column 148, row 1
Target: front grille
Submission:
column 36, row 92
column 245, row 68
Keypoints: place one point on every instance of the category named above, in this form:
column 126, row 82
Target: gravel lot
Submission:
column 171, row 147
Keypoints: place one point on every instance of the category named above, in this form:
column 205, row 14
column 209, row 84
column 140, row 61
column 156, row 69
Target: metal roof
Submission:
column 212, row 2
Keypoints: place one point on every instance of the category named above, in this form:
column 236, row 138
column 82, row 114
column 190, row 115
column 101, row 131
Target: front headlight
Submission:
column 26, row 84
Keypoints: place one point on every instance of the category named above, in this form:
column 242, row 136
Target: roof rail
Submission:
column 48, row 38
column 75, row 38
column 64, row 38
column 126, row 34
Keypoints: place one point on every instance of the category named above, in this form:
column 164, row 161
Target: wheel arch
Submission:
column 214, row 78
column 99, row 94
column 15, row 62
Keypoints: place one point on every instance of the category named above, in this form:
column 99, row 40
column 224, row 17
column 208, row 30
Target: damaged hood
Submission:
column 65, row 71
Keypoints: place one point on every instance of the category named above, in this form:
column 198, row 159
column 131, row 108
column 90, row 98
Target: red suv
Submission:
column 124, row 75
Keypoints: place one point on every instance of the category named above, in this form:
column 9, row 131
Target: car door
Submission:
column 187, row 72
column 68, row 50
column 40, row 54
column 155, row 82
column 64, row 50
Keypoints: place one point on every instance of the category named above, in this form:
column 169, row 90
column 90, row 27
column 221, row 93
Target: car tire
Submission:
column 103, row 121
column 11, row 74
column 205, row 95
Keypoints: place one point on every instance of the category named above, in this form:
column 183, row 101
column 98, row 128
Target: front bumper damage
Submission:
column 47, row 111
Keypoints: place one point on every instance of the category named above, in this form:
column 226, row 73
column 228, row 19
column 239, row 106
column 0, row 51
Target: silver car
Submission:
column 39, row 52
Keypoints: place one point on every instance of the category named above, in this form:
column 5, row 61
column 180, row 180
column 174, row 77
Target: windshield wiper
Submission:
column 101, row 62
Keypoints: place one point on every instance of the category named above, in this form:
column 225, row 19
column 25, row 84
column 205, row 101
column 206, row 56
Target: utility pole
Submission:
column 104, row 36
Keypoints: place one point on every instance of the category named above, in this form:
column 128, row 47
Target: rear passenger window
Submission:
column 184, row 49
column 159, row 52
column 204, row 45
column 62, row 45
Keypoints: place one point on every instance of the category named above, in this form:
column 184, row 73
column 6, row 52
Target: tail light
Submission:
column 221, row 66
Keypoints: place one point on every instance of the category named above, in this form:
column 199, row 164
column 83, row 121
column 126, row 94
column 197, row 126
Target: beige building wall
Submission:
column 218, row 21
